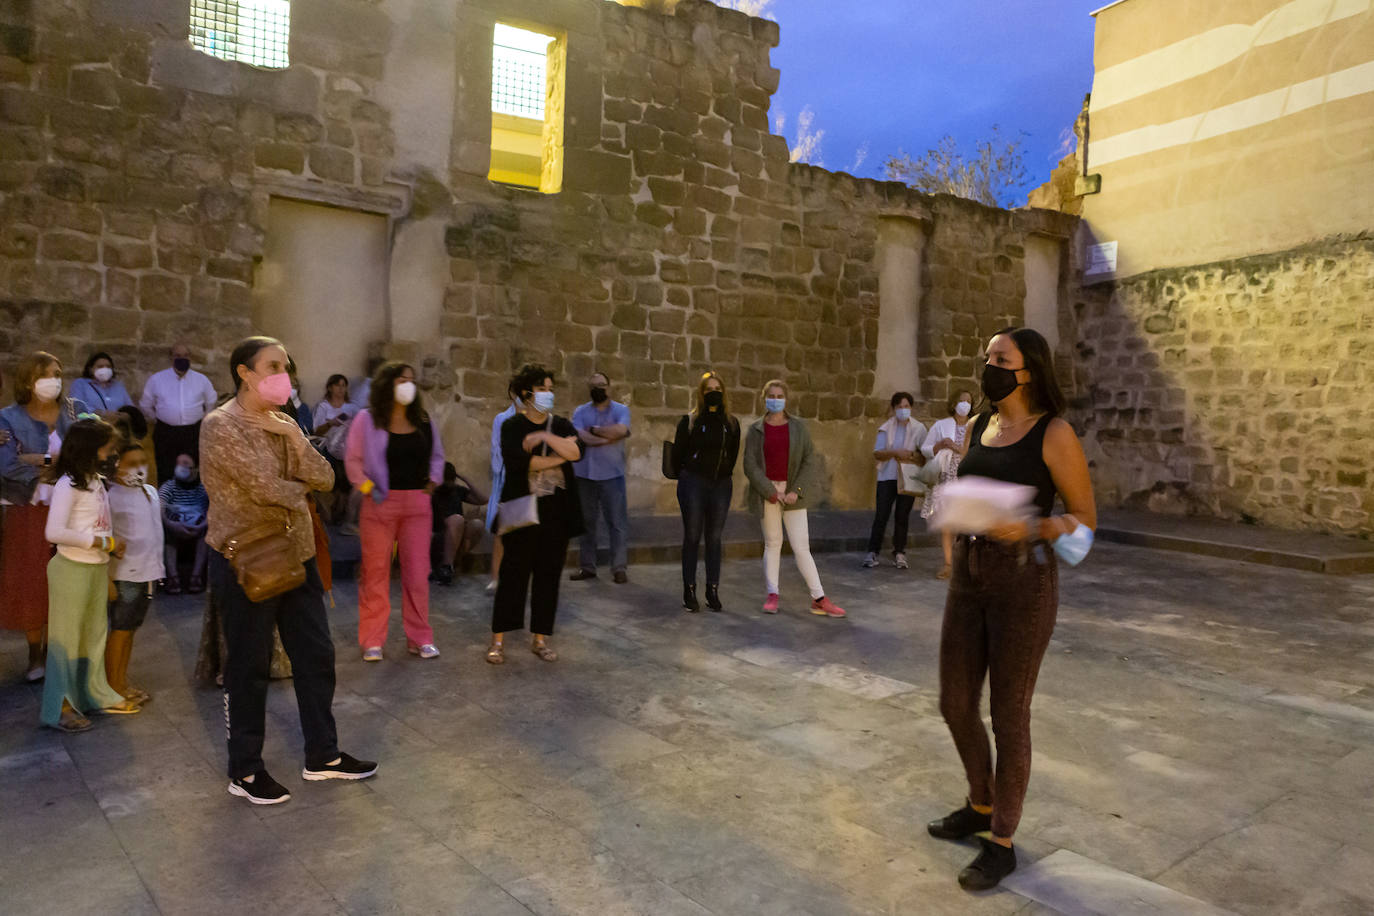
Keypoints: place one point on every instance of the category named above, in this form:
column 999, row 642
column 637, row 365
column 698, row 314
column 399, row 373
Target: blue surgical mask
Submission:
column 1072, row 548
column 774, row 405
column 544, row 401
column 903, row 414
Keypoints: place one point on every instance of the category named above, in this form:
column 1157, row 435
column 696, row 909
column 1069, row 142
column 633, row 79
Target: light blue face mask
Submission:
column 544, row 401
column 774, row 405
column 903, row 414
column 1072, row 548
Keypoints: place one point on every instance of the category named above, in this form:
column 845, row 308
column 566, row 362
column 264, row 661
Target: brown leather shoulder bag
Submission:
column 265, row 562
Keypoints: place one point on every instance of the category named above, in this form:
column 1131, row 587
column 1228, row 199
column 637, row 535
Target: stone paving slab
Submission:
column 1075, row 885
column 1201, row 728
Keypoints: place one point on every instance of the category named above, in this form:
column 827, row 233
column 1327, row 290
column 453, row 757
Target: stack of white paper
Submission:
column 972, row 505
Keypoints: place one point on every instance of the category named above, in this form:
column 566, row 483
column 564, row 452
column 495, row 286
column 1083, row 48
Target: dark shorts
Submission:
column 129, row 609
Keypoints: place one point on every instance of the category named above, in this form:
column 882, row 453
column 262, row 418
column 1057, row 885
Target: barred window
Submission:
column 519, row 72
column 253, row 32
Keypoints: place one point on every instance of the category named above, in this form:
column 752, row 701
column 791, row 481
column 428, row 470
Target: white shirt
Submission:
column 177, row 400
column 325, row 411
column 78, row 520
column 912, row 436
column 137, row 517
column 948, row 428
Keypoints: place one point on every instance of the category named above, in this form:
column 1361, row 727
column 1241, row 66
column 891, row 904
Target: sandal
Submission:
column 944, row 573
column 126, row 708
column 138, row 695
column 72, row 723
column 496, row 655
column 544, row 652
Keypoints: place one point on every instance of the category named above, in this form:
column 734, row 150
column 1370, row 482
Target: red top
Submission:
column 775, row 451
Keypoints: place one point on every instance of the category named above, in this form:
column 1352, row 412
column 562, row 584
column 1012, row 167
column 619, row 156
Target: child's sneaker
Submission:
column 824, row 607
column 870, row 560
column 770, row 604
column 899, row 560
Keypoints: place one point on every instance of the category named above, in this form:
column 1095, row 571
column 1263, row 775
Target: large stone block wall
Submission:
column 1237, row 390
column 135, row 176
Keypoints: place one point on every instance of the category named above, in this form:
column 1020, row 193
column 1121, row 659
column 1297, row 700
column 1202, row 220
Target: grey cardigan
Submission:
column 800, row 465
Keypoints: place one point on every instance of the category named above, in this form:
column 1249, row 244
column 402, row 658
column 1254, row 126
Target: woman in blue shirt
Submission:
column 98, row 388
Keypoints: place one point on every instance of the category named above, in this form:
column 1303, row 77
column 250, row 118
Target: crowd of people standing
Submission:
column 242, row 477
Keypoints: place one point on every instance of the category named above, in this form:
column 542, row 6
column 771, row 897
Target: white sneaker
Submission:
column 428, row 650
column 373, row 654
column 899, row 560
column 491, row 586
column 870, row 560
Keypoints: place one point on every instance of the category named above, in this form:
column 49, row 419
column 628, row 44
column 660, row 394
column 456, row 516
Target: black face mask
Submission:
column 109, row 466
column 999, row 383
column 598, row 395
column 714, row 399
column 181, row 364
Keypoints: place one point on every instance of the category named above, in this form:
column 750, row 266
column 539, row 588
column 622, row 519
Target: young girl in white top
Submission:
column 942, row 448
column 78, row 585
column 137, row 515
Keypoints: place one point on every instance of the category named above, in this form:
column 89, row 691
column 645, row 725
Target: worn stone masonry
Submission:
column 1237, row 390
column 137, row 175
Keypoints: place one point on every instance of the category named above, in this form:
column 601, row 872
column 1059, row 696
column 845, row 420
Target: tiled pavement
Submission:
column 1201, row 724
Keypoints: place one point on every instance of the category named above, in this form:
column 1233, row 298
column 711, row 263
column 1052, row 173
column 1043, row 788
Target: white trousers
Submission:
column 798, row 535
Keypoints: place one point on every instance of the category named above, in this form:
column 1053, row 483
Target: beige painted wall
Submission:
column 900, row 242
column 321, row 287
column 1043, row 256
column 1229, row 128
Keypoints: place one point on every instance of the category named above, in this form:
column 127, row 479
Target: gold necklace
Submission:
column 1003, row 427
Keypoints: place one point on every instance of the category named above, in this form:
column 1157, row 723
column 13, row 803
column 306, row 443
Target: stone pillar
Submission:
column 1043, row 257
column 900, row 243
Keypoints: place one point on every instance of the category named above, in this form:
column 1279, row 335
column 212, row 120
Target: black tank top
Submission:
column 1022, row 462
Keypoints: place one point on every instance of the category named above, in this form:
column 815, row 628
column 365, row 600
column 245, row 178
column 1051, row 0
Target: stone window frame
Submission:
column 556, row 94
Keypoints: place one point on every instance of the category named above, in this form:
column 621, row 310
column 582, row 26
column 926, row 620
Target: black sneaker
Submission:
column 345, row 767
column 260, row 789
column 689, row 599
column 713, row 598
column 960, row 824
column 993, row 864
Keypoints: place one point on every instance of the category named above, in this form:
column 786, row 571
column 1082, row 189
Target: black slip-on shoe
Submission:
column 993, row 864
column 713, row 598
column 260, row 789
column 346, row 767
column 960, row 824
column 582, row 575
column 689, row 599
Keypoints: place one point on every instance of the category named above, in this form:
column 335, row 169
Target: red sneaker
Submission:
column 824, row 607
column 770, row 605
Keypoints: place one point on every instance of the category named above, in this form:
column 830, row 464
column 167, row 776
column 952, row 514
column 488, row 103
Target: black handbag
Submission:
column 670, row 468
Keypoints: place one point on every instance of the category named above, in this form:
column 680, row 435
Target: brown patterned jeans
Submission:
column 1000, row 612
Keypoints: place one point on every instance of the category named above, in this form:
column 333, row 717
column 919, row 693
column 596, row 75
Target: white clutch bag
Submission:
column 972, row 505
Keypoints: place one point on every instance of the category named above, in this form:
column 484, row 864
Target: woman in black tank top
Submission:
column 1004, row 592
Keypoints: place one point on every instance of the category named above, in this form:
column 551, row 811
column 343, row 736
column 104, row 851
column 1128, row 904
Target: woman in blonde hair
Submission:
column 778, row 460
column 705, row 450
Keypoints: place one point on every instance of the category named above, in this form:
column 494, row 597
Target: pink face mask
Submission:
column 275, row 389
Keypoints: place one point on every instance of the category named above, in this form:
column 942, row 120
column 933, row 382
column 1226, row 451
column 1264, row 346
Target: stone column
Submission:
column 900, row 243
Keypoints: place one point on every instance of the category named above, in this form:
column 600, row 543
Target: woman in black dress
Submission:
column 538, row 449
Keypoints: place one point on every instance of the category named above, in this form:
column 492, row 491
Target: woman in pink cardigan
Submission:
column 395, row 459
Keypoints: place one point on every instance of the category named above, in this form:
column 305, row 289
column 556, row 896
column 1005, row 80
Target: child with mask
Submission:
column 899, row 442
column 185, row 507
column 942, row 449
column 79, row 525
column 136, row 513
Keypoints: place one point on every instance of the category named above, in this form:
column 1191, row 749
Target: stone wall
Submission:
column 1238, row 389
column 136, row 175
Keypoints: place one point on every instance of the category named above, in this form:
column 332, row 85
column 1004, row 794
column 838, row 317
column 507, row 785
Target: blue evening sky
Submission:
column 900, row 74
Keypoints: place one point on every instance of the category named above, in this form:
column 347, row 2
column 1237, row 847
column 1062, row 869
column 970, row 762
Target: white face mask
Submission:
column 295, row 394
column 962, row 408
column 47, row 389
column 135, row 477
column 103, row 374
column 405, row 393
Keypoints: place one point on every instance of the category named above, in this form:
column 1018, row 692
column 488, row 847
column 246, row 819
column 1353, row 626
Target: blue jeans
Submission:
column 705, row 504
column 604, row 499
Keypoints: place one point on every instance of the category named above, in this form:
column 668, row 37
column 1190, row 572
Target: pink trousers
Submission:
column 404, row 519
